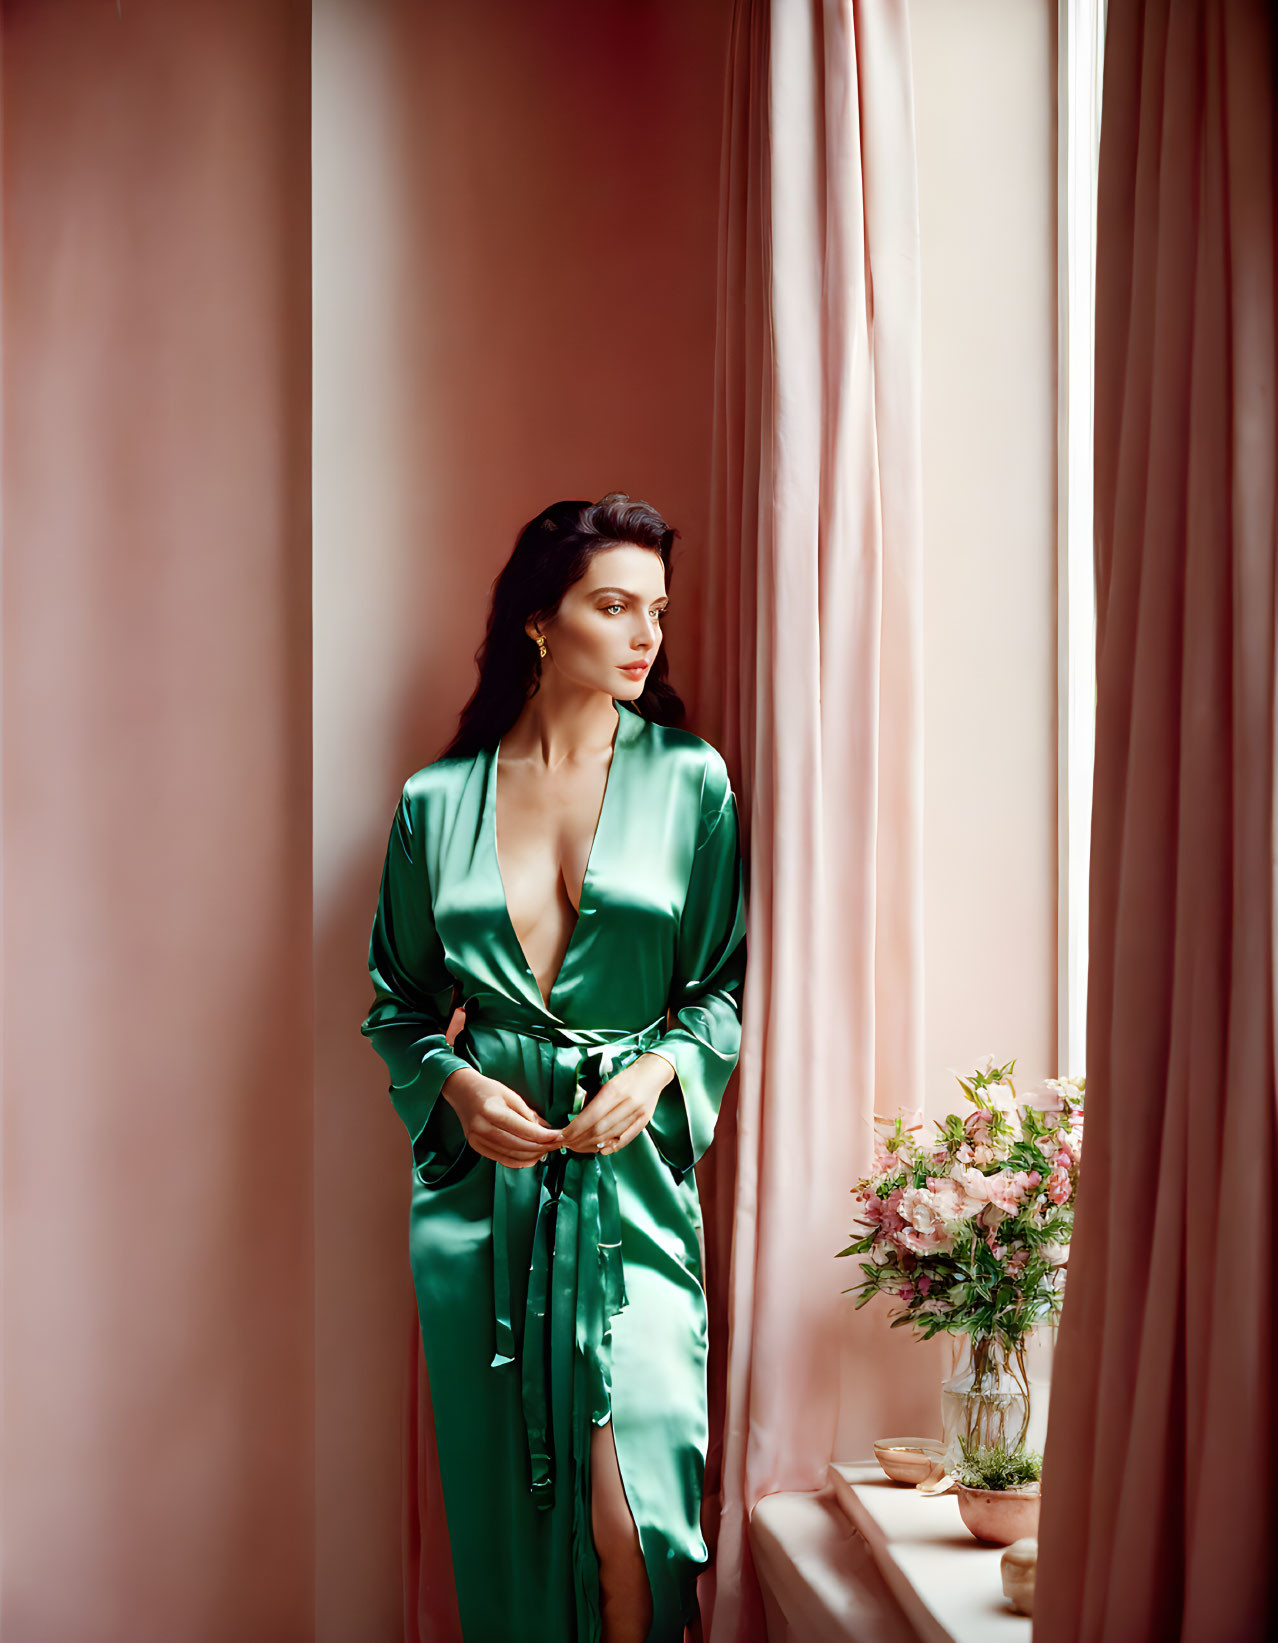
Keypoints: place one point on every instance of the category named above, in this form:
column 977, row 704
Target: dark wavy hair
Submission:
column 551, row 553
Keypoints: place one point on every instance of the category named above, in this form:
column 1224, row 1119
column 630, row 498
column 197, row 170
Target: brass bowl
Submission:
column 908, row 1460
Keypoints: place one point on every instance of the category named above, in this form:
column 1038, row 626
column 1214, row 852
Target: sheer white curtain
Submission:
column 811, row 684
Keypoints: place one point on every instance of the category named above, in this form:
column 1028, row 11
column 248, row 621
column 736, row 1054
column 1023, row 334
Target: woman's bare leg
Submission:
column 625, row 1595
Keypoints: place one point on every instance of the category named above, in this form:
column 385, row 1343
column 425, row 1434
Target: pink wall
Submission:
column 157, row 1467
column 987, row 214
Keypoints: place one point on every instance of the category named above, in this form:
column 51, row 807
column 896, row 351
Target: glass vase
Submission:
column 987, row 1402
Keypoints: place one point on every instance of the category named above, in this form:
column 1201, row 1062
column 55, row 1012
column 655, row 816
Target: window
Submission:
column 1081, row 33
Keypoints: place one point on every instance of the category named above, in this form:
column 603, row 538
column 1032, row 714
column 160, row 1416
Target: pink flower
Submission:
column 911, row 1119
column 880, row 1214
column 980, row 1147
column 1046, row 1095
column 925, row 1228
column 973, row 1183
column 979, row 1126
column 1004, row 1189
column 1059, row 1186
column 1002, row 1097
column 951, row 1197
column 892, row 1151
column 935, row 1242
column 1012, row 1188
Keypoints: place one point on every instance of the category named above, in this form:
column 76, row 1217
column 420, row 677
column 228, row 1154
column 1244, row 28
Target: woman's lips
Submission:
column 638, row 669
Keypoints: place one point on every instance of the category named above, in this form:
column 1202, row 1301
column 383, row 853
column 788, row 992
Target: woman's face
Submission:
column 609, row 621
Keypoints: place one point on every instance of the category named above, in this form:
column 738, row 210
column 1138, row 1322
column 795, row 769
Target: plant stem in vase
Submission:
column 986, row 1402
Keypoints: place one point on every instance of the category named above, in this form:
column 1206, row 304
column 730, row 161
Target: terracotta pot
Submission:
column 1000, row 1515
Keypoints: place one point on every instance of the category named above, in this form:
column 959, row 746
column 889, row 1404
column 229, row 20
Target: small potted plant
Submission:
column 998, row 1493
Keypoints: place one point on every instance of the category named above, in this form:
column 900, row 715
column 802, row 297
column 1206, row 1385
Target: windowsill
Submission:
column 948, row 1584
column 819, row 1580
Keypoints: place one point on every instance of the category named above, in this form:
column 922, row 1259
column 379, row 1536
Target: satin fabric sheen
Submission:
column 570, row 1292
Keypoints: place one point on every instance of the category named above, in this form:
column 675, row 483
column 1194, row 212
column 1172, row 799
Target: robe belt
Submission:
column 582, row 1276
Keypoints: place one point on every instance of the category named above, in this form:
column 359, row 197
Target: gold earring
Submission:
column 541, row 646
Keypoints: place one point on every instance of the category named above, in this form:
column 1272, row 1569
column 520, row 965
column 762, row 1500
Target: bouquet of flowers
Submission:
column 969, row 1232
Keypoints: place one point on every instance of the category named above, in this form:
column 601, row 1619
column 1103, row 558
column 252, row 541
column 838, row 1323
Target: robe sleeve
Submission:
column 413, row 1000
column 704, row 1041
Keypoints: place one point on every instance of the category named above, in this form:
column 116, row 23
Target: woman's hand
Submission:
column 498, row 1122
column 622, row 1107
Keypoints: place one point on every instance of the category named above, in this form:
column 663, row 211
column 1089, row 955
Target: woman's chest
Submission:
column 545, row 824
column 621, row 886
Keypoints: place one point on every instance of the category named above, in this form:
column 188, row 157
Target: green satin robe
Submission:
column 572, row 1291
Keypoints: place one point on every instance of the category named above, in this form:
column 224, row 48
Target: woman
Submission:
column 568, row 871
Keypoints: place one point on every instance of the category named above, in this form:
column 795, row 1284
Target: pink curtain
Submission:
column 1159, row 1520
column 158, row 1354
column 810, row 683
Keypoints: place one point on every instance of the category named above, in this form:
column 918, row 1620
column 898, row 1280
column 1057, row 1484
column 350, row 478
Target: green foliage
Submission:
column 999, row 1468
column 977, row 1081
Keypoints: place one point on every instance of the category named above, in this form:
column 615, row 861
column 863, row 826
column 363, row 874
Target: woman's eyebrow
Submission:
column 629, row 595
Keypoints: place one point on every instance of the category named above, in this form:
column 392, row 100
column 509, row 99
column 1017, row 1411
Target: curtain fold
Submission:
column 1156, row 1523
column 810, row 682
